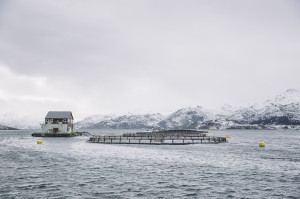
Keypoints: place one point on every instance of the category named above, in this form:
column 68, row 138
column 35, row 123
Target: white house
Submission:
column 58, row 122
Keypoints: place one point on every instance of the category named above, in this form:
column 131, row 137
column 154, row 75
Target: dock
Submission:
column 162, row 137
column 72, row 134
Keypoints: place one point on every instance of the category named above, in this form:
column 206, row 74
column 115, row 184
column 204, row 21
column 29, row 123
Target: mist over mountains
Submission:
column 7, row 128
column 281, row 112
column 20, row 122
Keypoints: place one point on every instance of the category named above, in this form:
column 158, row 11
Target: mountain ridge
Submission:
column 282, row 112
column 7, row 128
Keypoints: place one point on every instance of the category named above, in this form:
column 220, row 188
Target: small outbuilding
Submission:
column 58, row 122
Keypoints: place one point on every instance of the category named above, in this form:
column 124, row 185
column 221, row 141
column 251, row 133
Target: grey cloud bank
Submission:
column 144, row 56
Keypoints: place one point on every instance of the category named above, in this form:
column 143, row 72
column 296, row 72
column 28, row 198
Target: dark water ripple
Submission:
column 72, row 168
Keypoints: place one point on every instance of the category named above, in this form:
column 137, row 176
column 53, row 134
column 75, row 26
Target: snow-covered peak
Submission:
column 99, row 117
column 94, row 119
column 288, row 97
column 292, row 90
column 129, row 120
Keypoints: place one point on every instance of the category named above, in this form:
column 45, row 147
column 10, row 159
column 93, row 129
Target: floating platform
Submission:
column 165, row 137
column 75, row 133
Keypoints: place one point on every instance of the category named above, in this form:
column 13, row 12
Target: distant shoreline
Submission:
column 6, row 128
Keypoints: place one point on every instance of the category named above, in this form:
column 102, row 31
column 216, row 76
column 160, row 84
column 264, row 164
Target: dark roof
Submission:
column 59, row 115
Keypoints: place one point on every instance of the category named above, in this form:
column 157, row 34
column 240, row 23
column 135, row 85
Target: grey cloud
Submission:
column 118, row 55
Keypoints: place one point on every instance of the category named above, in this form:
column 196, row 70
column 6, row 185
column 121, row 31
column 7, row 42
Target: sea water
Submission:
column 74, row 168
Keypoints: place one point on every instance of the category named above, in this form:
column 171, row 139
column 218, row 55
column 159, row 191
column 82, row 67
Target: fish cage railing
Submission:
column 156, row 139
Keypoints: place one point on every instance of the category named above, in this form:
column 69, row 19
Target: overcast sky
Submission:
column 145, row 56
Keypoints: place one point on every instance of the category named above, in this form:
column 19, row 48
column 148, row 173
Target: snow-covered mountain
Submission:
column 94, row 119
column 189, row 118
column 19, row 122
column 281, row 112
column 129, row 121
column 6, row 128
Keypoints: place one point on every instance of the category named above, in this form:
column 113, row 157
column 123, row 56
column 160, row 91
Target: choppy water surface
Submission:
column 73, row 168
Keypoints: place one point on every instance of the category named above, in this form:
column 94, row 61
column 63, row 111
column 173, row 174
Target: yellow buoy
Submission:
column 228, row 136
column 39, row 141
column 261, row 144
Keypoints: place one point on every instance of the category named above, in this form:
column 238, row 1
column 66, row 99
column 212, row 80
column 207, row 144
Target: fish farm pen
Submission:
column 160, row 137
